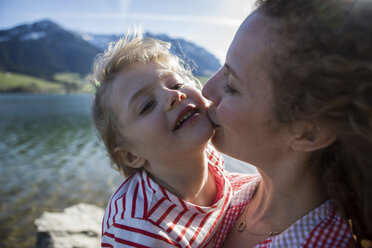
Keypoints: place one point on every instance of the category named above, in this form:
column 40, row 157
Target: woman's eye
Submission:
column 228, row 89
column 177, row 86
column 148, row 106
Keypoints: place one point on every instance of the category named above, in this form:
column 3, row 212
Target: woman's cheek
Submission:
column 224, row 115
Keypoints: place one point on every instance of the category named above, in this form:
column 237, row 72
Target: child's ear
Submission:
column 129, row 158
column 309, row 137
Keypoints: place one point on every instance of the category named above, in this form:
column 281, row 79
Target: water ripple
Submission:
column 50, row 159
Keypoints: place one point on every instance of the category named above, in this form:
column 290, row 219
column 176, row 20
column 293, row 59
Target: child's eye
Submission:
column 177, row 86
column 148, row 106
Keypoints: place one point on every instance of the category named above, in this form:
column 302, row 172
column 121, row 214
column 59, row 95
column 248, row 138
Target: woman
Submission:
column 294, row 98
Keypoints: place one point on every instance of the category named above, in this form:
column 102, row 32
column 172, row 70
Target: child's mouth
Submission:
column 185, row 115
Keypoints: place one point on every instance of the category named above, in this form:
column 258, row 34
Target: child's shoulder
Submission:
column 135, row 232
column 128, row 183
column 136, row 196
column 123, row 202
column 123, row 195
column 239, row 180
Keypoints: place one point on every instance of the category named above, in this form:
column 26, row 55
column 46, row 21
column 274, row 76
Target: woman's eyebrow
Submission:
column 232, row 72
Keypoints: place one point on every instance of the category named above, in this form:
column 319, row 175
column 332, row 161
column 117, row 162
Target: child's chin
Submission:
column 207, row 135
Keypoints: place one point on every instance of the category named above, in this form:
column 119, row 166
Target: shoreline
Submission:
column 77, row 226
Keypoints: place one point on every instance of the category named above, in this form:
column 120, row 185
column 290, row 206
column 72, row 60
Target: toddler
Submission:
column 154, row 124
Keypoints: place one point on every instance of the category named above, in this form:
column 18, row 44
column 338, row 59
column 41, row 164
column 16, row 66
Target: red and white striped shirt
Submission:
column 141, row 213
column 322, row 227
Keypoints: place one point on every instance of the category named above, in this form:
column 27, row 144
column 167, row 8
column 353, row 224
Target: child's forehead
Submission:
column 163, row 73
column 152, row 67
column 166, row 73
column 148, row 73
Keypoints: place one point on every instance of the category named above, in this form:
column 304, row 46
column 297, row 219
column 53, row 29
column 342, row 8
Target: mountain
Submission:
column 45, row 48
column 203, row 62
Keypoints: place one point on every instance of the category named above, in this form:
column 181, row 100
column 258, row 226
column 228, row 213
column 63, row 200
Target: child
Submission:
column 154, row 124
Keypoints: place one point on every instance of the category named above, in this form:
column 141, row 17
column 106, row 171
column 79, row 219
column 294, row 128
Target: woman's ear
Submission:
column 129, row 158
column 309, row 137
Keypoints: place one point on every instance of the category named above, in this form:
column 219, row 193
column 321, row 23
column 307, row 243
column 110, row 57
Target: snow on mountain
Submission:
column 33, row 36
column 45, row 48
column 203, row 62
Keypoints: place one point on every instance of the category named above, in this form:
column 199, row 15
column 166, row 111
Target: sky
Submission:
column 210, row 24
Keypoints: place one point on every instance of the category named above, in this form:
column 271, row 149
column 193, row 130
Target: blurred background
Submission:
column 50, row 157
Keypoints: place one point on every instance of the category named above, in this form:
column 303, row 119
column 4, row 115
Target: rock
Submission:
column 78, row 226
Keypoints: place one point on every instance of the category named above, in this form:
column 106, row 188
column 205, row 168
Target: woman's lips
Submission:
column 212, row 116
column 215, row 125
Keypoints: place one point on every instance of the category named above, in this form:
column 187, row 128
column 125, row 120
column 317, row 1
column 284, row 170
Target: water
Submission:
column 50, row 159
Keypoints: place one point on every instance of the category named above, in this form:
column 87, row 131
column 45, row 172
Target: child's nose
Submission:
column 174, row 97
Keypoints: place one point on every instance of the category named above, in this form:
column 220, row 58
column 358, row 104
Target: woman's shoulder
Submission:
column 322, row 227
column 331, row 231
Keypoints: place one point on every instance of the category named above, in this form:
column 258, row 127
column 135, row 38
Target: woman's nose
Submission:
column 173, row 98
column 211, row 90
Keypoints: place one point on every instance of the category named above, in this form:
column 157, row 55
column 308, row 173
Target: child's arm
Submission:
column 136, row 233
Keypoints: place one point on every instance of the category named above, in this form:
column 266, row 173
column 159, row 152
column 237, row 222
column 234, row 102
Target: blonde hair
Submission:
column 121, row 54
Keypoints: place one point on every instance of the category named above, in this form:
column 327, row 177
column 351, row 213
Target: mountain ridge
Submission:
column 44, row 48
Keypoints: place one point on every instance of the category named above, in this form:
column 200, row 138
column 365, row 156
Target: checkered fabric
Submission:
column 322, row 227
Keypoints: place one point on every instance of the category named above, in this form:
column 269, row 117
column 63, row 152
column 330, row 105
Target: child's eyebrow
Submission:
column 165, row 74
column 141, row 91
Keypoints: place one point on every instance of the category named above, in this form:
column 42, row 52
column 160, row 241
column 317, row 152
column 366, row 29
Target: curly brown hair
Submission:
column 324, row 72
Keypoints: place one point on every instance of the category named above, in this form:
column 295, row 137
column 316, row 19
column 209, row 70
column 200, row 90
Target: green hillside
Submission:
column 203, row 80
column 12, row 82
column 63, row 83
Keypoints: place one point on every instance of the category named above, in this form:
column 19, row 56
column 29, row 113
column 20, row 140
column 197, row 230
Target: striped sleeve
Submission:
column 136, row 233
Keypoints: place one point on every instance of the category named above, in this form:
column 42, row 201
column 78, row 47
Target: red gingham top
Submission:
column 322, row 227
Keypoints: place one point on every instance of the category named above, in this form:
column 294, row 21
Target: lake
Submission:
column 50, row 159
